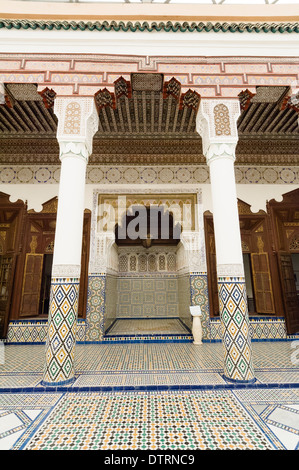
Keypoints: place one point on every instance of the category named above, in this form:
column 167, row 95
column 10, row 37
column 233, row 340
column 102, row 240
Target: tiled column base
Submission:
column 61, row 338
column 95, row 307
column 199, row 296
column 235, row 323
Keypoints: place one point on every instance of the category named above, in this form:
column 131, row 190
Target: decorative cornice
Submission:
column 168, row 26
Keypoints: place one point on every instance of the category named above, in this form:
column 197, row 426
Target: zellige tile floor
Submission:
column 115, row 402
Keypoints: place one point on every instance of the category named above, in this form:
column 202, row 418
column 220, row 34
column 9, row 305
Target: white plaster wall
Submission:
column 150, row 43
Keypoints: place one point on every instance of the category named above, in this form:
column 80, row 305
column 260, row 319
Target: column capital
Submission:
column 216, row 123
column 77, row 123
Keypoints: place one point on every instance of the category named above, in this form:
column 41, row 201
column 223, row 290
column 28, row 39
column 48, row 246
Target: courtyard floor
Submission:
column 155, row 396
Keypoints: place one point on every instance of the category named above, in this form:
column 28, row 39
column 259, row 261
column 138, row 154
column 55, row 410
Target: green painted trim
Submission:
column 151, row 27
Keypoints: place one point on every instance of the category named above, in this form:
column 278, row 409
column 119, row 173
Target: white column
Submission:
column 217, row 125
column 69, row 223
column 225, row 210
column 77, row 124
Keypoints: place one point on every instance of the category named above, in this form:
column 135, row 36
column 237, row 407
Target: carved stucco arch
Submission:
column 192, row 240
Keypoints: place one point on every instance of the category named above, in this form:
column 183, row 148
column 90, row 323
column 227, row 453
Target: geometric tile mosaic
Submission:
column 276, row 412
column 110, row 366
column 235, row 324
column 215, row 416
column 34, row 331
column 148, row 326
column 61, row 338
column 200, row 296
column 21, row 414
column 183, row 420
column 95, row 307
column 150, row 297
column 132, row 421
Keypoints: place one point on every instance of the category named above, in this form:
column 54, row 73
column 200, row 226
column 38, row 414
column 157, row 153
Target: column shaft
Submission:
column 77, row 124
column 230, row 271
column 65, row 283
column 217, row 124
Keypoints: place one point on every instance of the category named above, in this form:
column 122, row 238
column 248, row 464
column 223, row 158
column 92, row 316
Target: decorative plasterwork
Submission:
column 77, row 124
column 85, row 74
column 152, row 260
column 230, row 270
column 66, row 271
column 216, row 123
column 102, row 241
column 182, row 207
column 148, row 175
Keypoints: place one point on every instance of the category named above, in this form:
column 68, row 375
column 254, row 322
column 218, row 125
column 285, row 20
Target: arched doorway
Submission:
column 146, row 263
column 148, row 298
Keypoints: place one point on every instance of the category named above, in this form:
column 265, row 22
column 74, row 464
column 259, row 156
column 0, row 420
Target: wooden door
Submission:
column 214, row 285
column 262, row 284
column 289, row 293
column 7, row 265
column 31, row 285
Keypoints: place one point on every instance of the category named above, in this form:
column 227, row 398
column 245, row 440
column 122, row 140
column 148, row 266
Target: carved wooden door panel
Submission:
column 290, row 297
column 31, row 285
column 262, row 283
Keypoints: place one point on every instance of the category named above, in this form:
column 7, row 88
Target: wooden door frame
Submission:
column 49, row 213
column 282, row 215
column 249, row 222
column 19, row 207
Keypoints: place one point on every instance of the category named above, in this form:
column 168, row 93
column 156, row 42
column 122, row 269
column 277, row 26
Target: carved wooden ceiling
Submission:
column 149, row 119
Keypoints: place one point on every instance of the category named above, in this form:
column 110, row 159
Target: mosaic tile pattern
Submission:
column 221, row 419
column 132, row 421
column 149, row 297
column 21, row 414
column 149, row 380
column 35, row 331
column 270, row 328
column 236, row 340
column 149, row 326
column 259, row 328
column 25, row 331
column 171, row 365
column 276, row 412
column 61, row 339
column 95, row 307
column 200, row 296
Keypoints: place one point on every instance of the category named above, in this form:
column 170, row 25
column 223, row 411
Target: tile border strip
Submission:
column 147, row 388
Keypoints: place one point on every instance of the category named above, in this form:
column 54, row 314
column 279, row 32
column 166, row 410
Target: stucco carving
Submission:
column 216, row 123
column 77, row 123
